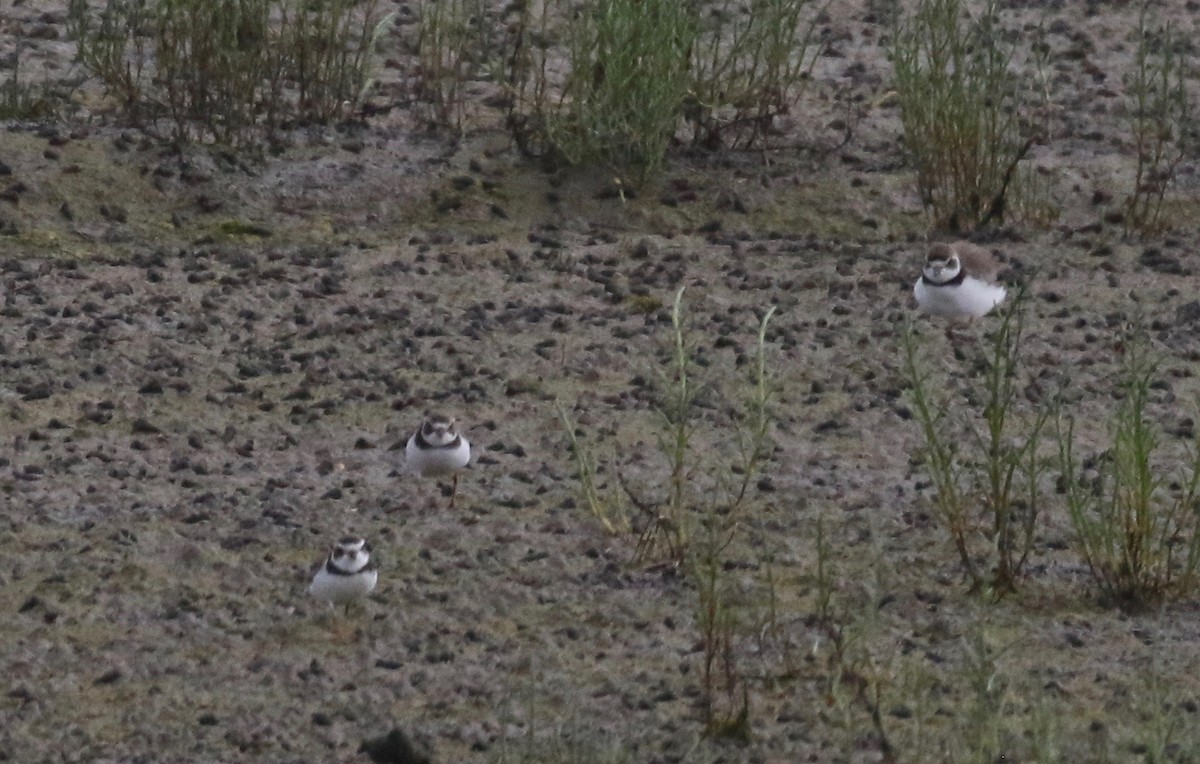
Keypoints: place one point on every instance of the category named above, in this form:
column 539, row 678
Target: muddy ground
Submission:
column 210, row 365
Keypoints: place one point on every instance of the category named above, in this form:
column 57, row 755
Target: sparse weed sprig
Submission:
column 1002, row 476
column 452, row 47
column 746, row 69
column 677, row 412
column 941, row 455
column 210, row 59
column 639, row 75
column 114, row 46
column 753, row 431
column 330, row 45
column 1162, row 119
column 1014, row 506
column 607, row 506
column 847, row 624
column 227, row 70
column 621, row 102
column 724, row 692
column 667, row 532
column 1161, row 709
column 724, row 610
column 986, row 708
column 1139, row 532
column 666, row 535
column 18, row 100
column 539, row 734
column 698, row 515
column 961, row 111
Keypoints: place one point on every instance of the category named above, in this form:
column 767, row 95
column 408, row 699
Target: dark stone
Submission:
column 37, row 392
column 141, row 426
column 1188, row 313
column 111, row 676
column 396, row 748
column 1160, row 262
column 448, row 204
column 12, row 193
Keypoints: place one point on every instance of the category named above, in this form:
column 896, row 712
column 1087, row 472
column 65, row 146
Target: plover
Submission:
column 437, row 449
column 347, row 574
column 958, row 281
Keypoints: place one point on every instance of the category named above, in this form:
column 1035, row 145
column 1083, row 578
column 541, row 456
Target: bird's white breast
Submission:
column 341, row 589
column 437, row 461
column 971, row 297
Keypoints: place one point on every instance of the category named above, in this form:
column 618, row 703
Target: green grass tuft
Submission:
column 995, row 472
column 1138, row 527
column 1161, row 118
column 961, row 107
column 228, row 70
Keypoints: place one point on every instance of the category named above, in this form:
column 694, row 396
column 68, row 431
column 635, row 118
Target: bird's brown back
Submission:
column 977, row 261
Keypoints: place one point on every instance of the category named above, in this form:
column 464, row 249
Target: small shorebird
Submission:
column 958, row 281
column 347, row 574
column 438, row 449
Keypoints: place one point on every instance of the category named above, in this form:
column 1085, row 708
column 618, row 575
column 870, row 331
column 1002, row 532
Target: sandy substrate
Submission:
column 208, row 369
